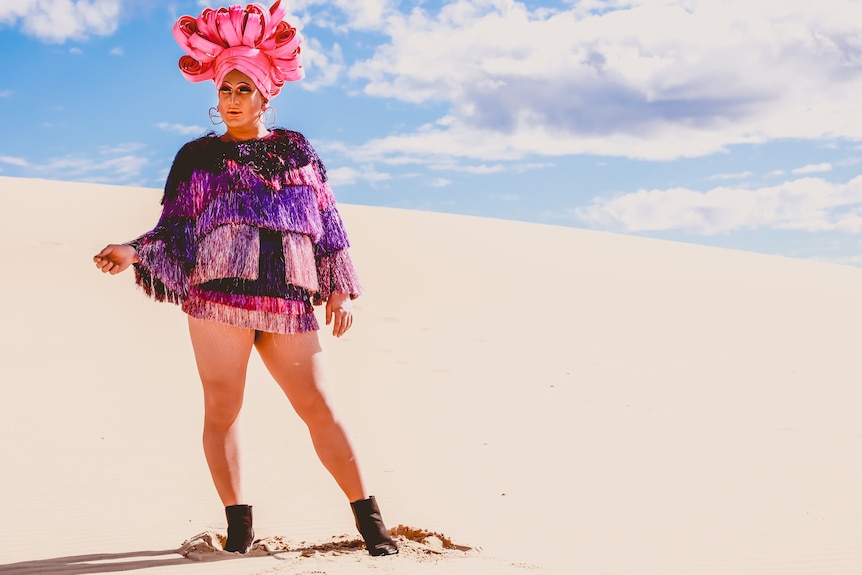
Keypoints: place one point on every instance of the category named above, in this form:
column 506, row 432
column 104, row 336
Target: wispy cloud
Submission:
column 5, row 93
column 324, row 67
column 474, row 169
column 441, row 183
column 122, row 149
column 58, row 21
column 14, row 161
column 120, row 164
column 736, row 176
column 183, row 129
column 118, row 51
column 347, row 176
column 117, row 169
column 504, row 197
column 813, row 169
column 432, row 147
column 343, row 15
column 596, row 80
column 805, row 204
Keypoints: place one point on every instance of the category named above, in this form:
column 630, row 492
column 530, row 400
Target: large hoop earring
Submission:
column 215, row 117
column 268, row 118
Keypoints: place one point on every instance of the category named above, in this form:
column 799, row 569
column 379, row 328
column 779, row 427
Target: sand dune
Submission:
column 557, row 400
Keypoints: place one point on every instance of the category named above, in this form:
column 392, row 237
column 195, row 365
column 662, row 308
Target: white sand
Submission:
column 567, row 402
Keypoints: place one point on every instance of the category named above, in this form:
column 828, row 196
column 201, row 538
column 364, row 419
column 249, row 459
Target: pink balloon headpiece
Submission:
column 253, row 40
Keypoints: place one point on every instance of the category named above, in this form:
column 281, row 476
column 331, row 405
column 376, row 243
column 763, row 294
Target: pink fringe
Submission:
column 337, row 274
column 251, row 319
column 252, row 302
column 309, row 175
column 227, row 251
column 299, row 264
column 161, row 276
column 212, row 223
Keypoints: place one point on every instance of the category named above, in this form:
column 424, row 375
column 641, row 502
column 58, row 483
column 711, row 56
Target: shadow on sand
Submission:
column 104, row 562
column 207, row 547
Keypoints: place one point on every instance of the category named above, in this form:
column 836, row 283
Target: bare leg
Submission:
column 296, row 364
column 221, row 353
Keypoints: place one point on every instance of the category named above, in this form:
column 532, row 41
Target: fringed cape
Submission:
column 238, row 214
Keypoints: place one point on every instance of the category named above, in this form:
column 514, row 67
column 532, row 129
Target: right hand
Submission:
column 115, row 258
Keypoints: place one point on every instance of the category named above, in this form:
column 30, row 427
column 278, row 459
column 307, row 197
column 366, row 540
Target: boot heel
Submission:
column 371, row 527
column 240, row 534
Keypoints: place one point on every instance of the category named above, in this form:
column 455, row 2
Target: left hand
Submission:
column 339, row 312
column 115, row 258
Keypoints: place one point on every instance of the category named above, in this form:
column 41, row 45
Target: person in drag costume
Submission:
column 249, row 240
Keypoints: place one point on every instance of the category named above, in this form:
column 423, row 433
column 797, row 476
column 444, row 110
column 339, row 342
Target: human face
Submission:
column 240, row 103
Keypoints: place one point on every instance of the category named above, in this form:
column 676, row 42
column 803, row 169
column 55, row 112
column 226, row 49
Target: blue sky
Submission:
column 720, row 122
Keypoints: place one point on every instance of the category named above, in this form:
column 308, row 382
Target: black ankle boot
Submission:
column 240, row 534
column 371, row 527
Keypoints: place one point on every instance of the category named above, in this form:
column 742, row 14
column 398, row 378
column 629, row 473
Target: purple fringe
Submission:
column 230, row 251
column 161, row 275
column 336, row 274
column 217, row 196
column 292, row 209
column 253, row 302
column 178, row 236
column 153, row 287
column 300, row 266
column 251, row 319
column 334, row 236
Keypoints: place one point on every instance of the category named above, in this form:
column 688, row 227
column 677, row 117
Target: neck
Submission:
column 238, row 134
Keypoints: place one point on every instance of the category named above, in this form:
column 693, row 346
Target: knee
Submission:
column 315, row 412
column 220, row 412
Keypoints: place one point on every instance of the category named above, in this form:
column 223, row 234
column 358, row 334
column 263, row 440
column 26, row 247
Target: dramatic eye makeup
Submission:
column 241, row 89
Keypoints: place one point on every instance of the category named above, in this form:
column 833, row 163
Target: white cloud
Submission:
column 650, row 79
column 474, row 169
column 813, row 169
column 504, row 197
column 526, row 167
column 347, row 176
column 736, row 176
column 118, row 51
column 441, row 183
column 775, row 173
column 365, row 15
column 14, row 161
column 181, row 129
column 60, row 20
column 5, row 93
column 324, row 68
column 121, row 149
column 368, row 14
column 125, row 168
column 440, row 146
column 117, row 164
column 805, row 204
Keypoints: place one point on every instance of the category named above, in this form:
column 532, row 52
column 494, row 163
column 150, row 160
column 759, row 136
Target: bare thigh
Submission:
column 221, row 353
column 296, row 363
